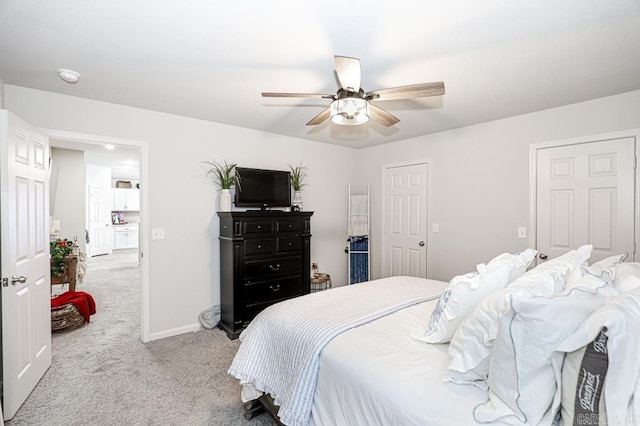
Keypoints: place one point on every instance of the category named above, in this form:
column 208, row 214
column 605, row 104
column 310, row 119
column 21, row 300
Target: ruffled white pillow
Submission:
column 621, row 317
column 517, row 262
column 521, row 379
column 626, row 276
column 464, row 292
column 470, row 347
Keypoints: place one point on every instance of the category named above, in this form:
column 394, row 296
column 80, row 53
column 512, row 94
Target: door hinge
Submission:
column 5, row 282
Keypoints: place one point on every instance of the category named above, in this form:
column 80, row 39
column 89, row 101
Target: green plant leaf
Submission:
column 222, row 174
column 298, row 175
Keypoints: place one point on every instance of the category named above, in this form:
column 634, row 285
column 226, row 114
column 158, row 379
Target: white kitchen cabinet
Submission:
column 126, row 236
column 126, row 199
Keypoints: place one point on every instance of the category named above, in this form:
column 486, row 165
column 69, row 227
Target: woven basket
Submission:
column 65, row 318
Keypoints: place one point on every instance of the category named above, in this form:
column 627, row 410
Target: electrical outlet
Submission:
column 522, row 232
column 157, row 234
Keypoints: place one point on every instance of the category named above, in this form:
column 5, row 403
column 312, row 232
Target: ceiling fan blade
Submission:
column 296, row 95
column 349, row 73
column 320, row 117
column 411, row 91
column 382, row 116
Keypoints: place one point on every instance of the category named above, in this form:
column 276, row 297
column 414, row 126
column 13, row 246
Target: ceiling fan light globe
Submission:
column 350, row 111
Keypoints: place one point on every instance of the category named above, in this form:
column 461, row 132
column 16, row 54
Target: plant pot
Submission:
column 296, row 201
column 225, row 200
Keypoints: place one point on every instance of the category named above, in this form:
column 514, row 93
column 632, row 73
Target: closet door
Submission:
column 405, row 221
column 585, row 195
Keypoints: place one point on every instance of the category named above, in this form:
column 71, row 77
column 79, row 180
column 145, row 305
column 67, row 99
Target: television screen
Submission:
column 262, row 188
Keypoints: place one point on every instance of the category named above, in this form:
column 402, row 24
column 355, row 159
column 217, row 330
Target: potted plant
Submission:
column 224, row 176
column 59, row 250
column 298, row 175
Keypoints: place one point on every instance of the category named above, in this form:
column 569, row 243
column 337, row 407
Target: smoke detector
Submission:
column 68, row 76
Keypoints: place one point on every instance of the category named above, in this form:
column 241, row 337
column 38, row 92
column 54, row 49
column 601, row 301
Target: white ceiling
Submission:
column 211, row 60
column 123, row 161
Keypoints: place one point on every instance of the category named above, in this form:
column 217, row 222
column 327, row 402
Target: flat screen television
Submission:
column 262, row 188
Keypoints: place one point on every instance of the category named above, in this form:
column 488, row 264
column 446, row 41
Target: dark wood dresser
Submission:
column 264, row 259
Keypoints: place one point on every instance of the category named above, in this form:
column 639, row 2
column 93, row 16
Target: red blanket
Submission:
column 83, row 301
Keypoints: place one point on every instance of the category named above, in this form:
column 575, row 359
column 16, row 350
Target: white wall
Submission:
column 1, row 94
column 184, row 268
column 69, row 203
column 480, row 177
column 480, row 181
column 98, row 176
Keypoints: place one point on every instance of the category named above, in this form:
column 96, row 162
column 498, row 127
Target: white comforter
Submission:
column 377, row 374
column 280, row 349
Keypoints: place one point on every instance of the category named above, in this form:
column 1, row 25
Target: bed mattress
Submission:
column 376, row 374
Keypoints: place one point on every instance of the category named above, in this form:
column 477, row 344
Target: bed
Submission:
column 356, row 355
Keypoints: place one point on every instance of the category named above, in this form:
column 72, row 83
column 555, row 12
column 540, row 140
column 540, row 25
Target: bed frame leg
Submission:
column 253, row 408
column 259, row 406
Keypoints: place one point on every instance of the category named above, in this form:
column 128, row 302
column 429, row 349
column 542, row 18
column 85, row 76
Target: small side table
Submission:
column 320, row 282
column 70, row 272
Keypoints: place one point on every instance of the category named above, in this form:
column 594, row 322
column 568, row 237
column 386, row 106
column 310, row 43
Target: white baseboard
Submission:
column 175, row 331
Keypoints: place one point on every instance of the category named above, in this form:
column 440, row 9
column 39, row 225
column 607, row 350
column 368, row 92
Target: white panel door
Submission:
column 100, row 233
column 585, row 195
column 26, row 285
column 405, row 227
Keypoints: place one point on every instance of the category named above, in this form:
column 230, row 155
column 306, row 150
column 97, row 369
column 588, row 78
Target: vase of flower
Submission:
column 224, row 176
column 296, row 201
column 225, row 200
column 298, row 175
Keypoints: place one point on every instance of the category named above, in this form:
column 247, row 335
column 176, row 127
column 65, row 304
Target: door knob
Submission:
column 421, row 243
column 21, row 279
column 543, row 256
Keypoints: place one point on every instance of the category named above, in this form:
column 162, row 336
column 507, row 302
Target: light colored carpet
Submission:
column 102, row 374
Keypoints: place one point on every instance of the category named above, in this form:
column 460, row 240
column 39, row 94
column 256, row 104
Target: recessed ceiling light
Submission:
column 110, row 147
column 68, row 76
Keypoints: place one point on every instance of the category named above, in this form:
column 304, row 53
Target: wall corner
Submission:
column 1, row 94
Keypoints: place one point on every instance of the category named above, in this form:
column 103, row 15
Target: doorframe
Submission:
column 385, row 167
column 533, row 187
column 143, row 146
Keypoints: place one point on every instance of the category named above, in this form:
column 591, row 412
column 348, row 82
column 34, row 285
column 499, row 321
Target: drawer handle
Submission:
column 290, row 244
column 259, row 246
column 259, row 227
column 275, row 268
column 275, row 288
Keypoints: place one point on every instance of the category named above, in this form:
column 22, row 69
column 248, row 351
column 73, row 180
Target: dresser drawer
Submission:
column 289, row 226
column 261, row 268
column 271, row 290
column 257, row 227
column 286, row 244
column 258, row 246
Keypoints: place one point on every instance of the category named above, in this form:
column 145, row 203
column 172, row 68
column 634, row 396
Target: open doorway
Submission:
column 82, row 164
column 95, row 203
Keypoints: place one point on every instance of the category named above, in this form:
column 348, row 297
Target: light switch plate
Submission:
column 436, row 227
column 522, row 232
column 157, row 234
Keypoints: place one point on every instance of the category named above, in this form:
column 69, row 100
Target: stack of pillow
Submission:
column 465, row 292
column 546, row 341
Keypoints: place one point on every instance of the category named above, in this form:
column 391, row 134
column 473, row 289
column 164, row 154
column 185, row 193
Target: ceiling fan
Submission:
column 352, row 105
